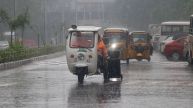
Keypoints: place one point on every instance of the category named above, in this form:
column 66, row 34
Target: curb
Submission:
column 14, row 64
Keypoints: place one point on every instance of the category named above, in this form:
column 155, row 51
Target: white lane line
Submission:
column 7, row 84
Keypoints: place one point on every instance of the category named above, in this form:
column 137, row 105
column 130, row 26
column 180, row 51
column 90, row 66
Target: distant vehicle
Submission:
column 4, row 45
column 170, row 38
column 189, row 45
column 170, row 28
column 174, row 49
column 173, row 27
column 139, row 46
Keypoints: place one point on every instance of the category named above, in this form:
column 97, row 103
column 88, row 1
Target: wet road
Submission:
column 49, row 84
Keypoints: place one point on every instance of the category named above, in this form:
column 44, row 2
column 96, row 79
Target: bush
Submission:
column 18, row 52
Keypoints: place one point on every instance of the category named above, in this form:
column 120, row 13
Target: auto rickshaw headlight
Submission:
column 113, row 46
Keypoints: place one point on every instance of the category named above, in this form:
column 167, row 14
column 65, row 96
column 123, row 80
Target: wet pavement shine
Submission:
column 49, row 84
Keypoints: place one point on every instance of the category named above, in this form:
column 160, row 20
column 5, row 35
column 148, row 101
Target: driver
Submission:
column 102, row 54
column 101, row 48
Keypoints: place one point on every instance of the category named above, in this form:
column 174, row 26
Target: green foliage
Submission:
column 15, row 22
column 18, row 52
column 3, row 16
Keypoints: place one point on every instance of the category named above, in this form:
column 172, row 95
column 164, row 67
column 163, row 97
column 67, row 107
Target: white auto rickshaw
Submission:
column 81, row 51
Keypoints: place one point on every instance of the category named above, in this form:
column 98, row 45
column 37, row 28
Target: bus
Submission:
column 173, row 27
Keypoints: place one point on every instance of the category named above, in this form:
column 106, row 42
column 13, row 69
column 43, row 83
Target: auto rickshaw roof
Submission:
column 138, row 32
column 116, row 30
column 85, row 28
column 176, row 23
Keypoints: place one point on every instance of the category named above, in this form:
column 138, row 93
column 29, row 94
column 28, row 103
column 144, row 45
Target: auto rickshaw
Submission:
column 117, row 38
column 81, row 51
column 139, row 46
column 116, row 42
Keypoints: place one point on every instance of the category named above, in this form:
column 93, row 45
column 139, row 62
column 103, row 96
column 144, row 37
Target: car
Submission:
column 169, row 39
column 174, row 49
column 163, row 43
column 4, row 45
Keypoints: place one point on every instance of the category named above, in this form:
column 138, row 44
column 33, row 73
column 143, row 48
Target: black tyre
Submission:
column 175, row 56
column 81, row 78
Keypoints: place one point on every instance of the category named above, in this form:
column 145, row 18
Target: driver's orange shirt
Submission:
column 102, row 50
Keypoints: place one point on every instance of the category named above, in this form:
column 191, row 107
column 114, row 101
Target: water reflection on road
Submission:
column 94, row 95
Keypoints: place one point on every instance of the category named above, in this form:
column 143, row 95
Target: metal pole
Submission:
column 14, row 8
column 103, row 11
column 76, row 12
column 45, row 22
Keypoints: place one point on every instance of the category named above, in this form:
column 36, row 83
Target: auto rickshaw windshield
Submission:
column 114, row 37
column 82, row 39
column 140, row 37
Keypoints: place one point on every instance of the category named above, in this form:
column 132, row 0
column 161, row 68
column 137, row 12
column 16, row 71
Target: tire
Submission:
column 175, row 56
column 81, row 78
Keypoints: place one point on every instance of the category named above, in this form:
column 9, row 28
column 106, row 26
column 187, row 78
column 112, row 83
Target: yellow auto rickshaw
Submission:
column 139, row 46
column 116, row 39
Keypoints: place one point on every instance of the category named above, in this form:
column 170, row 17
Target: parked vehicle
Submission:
column 174, row 49
column 169, row 39
column 140, row 46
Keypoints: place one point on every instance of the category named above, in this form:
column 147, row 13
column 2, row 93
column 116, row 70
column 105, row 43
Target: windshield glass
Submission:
column 82, row 40
column 172, row 29
column 114, row 37
column 139, row 37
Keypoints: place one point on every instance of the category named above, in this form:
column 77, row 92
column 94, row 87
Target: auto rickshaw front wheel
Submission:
column 81, row 78
column 81, row 73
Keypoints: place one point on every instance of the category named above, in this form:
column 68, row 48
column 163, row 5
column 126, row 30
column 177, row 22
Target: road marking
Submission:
column 160, row 83
column 7, row 84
